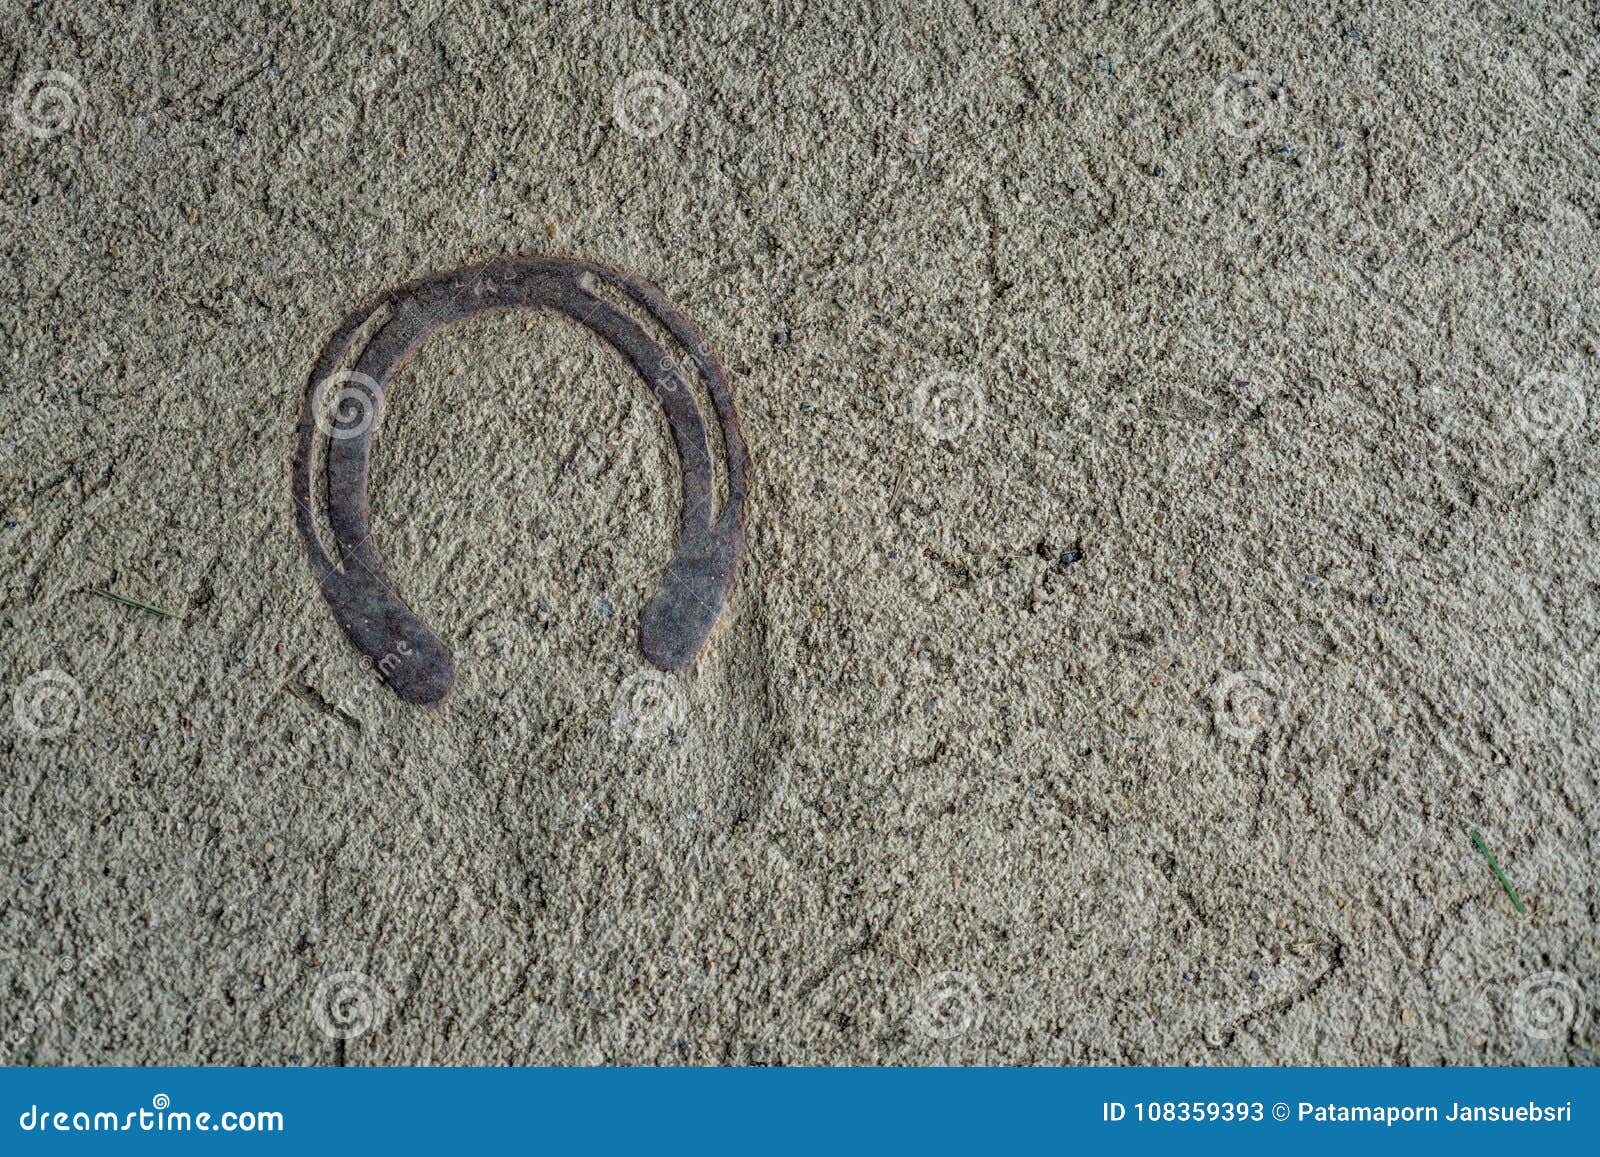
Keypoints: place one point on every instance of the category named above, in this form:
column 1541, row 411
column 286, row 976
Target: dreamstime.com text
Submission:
column 160, row 1117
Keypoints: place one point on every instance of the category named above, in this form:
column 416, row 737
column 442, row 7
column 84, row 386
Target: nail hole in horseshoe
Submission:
column 695, row 584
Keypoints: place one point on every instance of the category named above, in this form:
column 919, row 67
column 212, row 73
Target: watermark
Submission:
column 949, row 1005
column 160, row 1117
column 48, row 704
column 69, row 973
column 337, row 118
column 347, row 1004
column 647, row 704
column 335, row 122
column 388, row 663
column 647, row 104
column 1246, row 703
column 49, row 103
column 669, row 378
column 346, row 404
column 1550, row 405
column 1546, row 1005
column 948, row 405
column 1247, row 104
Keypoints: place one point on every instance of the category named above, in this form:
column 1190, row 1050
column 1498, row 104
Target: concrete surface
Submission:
column 1175, row 531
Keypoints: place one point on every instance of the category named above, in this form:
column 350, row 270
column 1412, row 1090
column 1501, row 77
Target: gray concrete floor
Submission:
column 1175, row 531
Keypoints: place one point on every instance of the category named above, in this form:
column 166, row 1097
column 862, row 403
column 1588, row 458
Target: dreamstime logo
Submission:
column 647, row 704
column 352, row 408
column 1246, row 104
column 669, row 376
column 949, row 1004
column 388, row 663
column 47, row 705
column 339, row 115
column 335, row 122
column 1546, row 1005
column 1246, row 703
column 947, row 405
column 50, row 1005
column 47, row 104
column 347, row 1004
column 1550, row 405
column 647, row 104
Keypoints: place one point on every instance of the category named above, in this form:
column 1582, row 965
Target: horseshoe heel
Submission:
column 694, row 587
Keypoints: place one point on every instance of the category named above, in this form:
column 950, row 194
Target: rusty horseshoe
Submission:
column 344, row 405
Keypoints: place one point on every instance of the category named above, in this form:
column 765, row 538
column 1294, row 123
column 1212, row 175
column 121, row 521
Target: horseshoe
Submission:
column 406, row 654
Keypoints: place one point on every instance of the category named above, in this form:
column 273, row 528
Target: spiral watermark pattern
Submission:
column 347, row 1004
column 346, row 404
column 1246, row 104
column 48, row 1007
column 647, row 104
column 647, row 704
column 1546, row 1005
column 160, row 1101
column 670, row 377
column 47, row 705
column 949, row 1005
column 948, row 405
column 1550, row 405
column 48, row 103
column 1246, row 703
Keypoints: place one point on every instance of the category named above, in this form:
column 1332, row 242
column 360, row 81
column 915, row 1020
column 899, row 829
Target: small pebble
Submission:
column 1255, row 974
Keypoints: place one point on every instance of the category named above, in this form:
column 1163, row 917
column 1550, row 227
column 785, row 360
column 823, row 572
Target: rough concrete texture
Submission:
column 1175, row 531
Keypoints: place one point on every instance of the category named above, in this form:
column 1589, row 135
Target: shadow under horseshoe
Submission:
column 410, row 657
